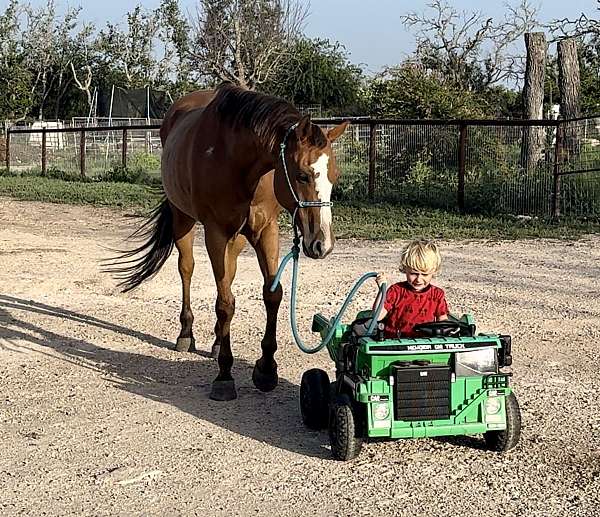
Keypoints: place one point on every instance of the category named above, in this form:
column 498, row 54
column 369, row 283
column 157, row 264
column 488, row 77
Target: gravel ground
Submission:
column 98, row 416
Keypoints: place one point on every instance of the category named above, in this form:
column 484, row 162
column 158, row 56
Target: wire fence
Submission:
column 531, row 168
column 86, row 151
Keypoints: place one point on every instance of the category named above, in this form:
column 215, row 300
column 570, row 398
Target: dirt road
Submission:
column 98, row 416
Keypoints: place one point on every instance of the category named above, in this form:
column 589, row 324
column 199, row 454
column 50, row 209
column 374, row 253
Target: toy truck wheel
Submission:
column 343, row 431
column 502, row 441
column 314, row 398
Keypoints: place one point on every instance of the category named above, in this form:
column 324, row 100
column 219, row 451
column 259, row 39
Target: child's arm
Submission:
column 442, row 309
column 380, row 280
column 361, row 329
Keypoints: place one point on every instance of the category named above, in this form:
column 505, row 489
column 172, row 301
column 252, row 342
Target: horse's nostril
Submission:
column 318, row 248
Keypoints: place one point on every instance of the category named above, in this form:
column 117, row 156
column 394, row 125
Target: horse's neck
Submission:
column 254, row 160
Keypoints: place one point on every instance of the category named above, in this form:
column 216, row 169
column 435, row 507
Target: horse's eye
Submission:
column 303, row 177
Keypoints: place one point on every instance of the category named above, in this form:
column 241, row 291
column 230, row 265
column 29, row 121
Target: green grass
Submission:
column 125, row 195
column 393, row 222
column 364, row 221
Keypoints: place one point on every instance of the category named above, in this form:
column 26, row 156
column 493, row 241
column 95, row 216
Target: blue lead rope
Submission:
column 294, row 254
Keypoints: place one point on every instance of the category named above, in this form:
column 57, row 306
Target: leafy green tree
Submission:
column 408, row 91
column 174, row 68
column 319, row 73
column 589, row 69
column 127, row 54
column 15, row 77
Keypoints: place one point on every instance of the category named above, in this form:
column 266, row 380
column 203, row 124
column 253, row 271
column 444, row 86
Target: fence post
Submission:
column 556, row 172
column 7, row 149
column 124, row 149
column 462, row 144
column 44, row 157
column 82, row 154
column 372, row 159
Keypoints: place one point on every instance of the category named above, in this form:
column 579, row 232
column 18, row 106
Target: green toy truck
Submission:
column 446, row 383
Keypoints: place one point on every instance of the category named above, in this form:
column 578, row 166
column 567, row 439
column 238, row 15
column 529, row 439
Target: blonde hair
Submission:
column 420, row 255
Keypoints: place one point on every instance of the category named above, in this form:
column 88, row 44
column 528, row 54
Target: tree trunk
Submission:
column 569, row 85
column 533, row 98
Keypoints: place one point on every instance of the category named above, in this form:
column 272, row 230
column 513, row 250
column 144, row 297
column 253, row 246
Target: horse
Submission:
column 231, row 160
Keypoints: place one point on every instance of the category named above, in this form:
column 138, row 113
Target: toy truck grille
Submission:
column 421, row 392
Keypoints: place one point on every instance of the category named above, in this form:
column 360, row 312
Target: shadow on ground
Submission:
column 272, row 418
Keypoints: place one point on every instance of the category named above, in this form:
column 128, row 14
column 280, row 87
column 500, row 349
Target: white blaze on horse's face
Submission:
column 320, row 240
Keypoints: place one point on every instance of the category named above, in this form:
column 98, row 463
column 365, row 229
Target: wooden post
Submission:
column 372, row 159
column 124, row 149
column 568, row 78
column 7, row 149
column 462, row 144
column 44, row 157
column 533, row 99
column 556, row 172
column 569, row 87
column 82, row 154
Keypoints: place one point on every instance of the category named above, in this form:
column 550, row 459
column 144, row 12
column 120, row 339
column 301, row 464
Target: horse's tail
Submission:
column 158, row 232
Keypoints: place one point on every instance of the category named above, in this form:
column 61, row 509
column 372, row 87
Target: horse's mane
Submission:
column 267, row 116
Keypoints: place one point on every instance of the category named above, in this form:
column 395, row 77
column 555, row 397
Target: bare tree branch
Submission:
column 581, row 27
column 467, row 49
column 244, row 41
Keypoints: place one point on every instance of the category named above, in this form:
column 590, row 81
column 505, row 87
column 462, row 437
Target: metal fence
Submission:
column 474, row 165
column 87, row 151
column 469, row 165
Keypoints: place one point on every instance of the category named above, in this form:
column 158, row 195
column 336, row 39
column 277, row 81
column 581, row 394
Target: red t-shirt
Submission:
column 407, row 307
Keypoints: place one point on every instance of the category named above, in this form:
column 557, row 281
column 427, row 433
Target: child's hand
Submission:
column 381, row 279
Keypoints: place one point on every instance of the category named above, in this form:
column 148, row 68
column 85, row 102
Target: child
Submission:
column 416, row 300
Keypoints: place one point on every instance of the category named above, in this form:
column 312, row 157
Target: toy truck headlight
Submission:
column 381, row 410
column 476, row 362
column 492, row 405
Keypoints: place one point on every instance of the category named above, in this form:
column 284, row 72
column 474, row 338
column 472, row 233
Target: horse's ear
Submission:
column 303, row 128
column 335, row 132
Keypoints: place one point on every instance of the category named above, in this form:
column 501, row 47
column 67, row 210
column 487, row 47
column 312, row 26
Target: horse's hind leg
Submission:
column 223, row 253
column 184, row 228
column 264, row 375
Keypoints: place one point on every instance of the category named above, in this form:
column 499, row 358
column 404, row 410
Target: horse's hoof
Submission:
column 223, row 390
column 264, row 381
column 185, row 344
column 215, row 351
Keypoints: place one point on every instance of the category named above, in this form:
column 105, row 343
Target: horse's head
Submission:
column 305, row 174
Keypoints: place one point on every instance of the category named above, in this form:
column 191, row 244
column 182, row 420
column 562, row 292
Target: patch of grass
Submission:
column 32, row 188
column 363, row 221
column 397, row 222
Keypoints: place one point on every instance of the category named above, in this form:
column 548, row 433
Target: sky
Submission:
column 370, row 30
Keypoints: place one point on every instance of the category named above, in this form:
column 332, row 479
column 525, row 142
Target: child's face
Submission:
column 419, row 280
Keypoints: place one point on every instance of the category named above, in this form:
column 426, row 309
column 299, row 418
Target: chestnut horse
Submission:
column 231, row 159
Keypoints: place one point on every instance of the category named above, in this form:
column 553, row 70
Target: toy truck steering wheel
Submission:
column 439, row 328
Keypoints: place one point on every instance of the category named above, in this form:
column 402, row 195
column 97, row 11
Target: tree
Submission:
column 470, row 51
column 174, row 35
column 586, row 31
column 83, row 62
column 533, row 98
column 568, row 78
column 45, row 41
column 410, row 91
column 15, row 77
column 65, row 53
column 318, row 73
column 128, row 54
column 244, row 41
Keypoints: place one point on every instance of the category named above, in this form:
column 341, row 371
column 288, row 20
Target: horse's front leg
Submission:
column 264, row 375
column 223, row 255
